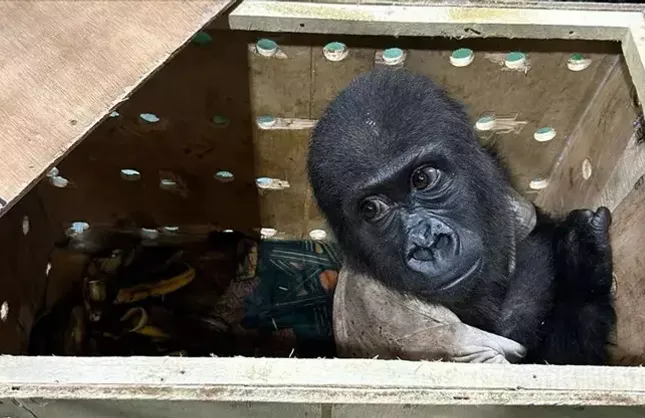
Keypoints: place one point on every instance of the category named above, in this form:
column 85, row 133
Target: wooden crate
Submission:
column 74, row 99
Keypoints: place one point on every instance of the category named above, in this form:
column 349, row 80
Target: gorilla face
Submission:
column 421, row 227
column 410, row 194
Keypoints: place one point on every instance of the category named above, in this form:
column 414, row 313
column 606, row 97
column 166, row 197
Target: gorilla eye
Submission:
column 372, row 209
column 424, row 177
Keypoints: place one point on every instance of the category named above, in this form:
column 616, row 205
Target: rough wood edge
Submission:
column 484, row 21
column 528, row 4
column 317, row 381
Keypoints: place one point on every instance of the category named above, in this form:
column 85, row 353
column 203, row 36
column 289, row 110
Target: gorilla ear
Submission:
column 525, row 216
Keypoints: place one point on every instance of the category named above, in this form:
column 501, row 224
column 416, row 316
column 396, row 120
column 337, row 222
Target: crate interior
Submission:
column 191, row 152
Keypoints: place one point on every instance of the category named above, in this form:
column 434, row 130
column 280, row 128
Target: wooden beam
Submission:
column 628, row 236
column 540, row 21
column 628, row 170
column 67, row 64
column 353, row 381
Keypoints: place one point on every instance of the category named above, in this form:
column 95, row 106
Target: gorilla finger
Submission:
column 581, row 215
column 498, row 359
column 482, row 355
column 603, row 218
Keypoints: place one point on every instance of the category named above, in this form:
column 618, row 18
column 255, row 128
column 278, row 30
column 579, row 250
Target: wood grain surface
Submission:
column 66, row 64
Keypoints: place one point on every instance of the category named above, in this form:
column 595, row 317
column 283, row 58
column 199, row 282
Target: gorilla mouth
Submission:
column 463, row 277
column 421, row 254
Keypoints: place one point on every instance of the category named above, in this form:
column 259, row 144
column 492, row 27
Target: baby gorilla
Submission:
column 415, row 201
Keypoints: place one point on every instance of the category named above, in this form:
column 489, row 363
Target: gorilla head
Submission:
column 411, row 195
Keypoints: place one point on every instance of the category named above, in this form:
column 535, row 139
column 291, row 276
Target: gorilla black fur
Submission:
column 416, row 201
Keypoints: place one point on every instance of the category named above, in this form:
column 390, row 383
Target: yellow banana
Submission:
column 162, row 287
column 139, row 318
column 152, row 331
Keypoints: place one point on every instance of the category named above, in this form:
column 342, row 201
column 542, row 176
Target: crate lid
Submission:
column 65, row 65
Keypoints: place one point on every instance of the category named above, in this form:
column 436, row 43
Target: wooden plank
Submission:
column 187, row 95
column 330, row 77
column 595, row 147
column 628, row 236
column 631, row 165
column 172, row 409
column 66, row 64
column 528, row 4
column 634, row 50
column 27, row 232
column 356, row 381
column 625, row 175
column 281, row 88
column 485, row 20
column 605, row 138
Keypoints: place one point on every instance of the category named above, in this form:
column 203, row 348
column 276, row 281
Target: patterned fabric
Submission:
column 295, row 291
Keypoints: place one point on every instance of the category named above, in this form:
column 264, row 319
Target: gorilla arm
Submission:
column 370, row 320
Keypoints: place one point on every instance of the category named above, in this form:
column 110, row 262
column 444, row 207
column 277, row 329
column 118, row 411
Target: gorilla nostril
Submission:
column 422, row 254
column 442, row 242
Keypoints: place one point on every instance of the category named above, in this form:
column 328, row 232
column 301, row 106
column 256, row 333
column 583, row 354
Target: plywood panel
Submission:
column 628, row 236
column 66, row 63
column 595, row 147
column 28, row 238
column 185, row 145
column 330, row 77
column 281, row 88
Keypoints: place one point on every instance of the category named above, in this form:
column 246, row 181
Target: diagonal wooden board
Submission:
column 64, row 65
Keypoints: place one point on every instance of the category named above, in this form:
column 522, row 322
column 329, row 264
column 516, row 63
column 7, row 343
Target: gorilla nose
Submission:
column 432, row 241
column 422, row 254
column 442, row 242
column 439, row 243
